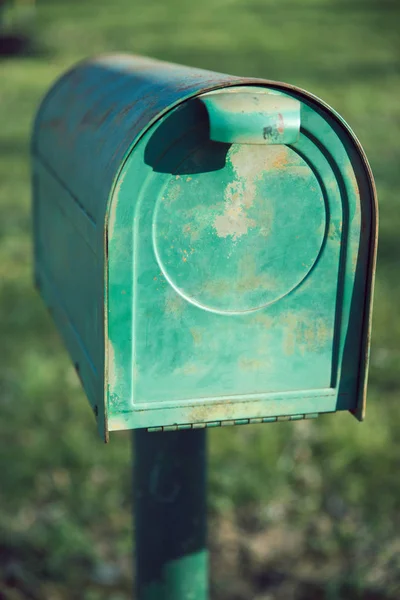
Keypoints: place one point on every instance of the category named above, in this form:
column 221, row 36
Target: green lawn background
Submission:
column 325, row 496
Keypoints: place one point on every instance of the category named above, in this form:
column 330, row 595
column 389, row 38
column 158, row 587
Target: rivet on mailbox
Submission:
column 207, row 244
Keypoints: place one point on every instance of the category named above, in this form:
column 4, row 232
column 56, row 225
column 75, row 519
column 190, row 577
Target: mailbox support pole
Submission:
column 170, row 515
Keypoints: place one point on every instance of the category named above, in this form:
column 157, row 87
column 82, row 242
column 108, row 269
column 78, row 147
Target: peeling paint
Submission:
column 233, row 222
column 174, row 192
column 240, row 194
column 304, row 332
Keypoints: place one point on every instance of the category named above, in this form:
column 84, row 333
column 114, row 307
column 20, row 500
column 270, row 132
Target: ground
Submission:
column 298, row 510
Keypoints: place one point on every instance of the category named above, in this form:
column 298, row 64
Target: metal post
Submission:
column 171, row 514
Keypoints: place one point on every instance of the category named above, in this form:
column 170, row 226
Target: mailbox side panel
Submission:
column 68, row 274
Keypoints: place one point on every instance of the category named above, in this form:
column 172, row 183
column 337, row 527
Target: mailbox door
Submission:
column 246, row 276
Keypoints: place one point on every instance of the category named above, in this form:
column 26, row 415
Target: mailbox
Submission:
column 206, row 245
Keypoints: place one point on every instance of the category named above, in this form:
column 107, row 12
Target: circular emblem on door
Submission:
column 240, row 237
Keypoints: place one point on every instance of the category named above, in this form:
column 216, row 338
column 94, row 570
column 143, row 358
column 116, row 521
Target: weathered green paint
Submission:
column 243, row 265
column 199, row 282
column 252, row 115
column 170, row 515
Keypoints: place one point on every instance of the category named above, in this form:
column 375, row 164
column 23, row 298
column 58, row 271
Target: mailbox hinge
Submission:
column 235, row 422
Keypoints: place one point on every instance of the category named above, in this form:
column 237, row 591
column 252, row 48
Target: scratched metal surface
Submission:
column 97, row 110
column 196, row 282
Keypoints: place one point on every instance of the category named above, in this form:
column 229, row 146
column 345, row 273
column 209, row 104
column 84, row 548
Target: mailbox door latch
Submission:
column 252, row 115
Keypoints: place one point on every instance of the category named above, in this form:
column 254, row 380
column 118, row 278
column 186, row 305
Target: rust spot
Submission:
column 315, row 334
column 353, row 179
column 305, row 332
column 281, row 124
column 125, row 111
column 210, row 412
column 90, row 118
column 280, row 160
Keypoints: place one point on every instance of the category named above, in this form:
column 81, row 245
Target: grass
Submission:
column 65, row 498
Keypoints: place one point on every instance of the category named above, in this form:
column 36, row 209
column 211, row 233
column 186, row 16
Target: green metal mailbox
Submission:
column 206, row 244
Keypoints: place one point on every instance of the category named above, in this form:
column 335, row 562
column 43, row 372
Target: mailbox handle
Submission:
column 249, row 116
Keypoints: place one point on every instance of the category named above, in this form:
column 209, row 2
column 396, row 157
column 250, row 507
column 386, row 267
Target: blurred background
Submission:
column 297, row 510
